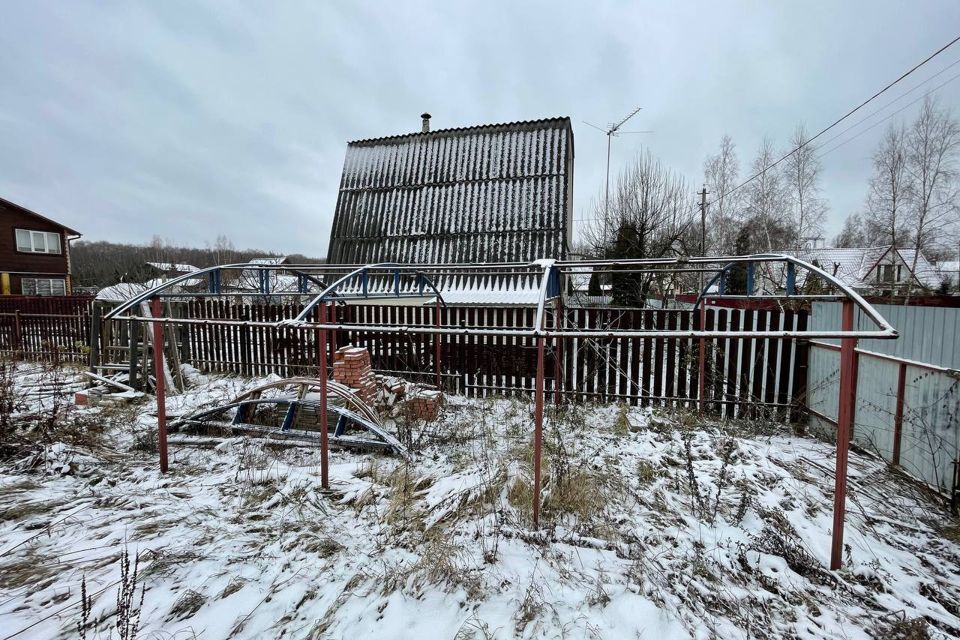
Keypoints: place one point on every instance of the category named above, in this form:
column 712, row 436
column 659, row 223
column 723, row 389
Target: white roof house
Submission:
column 868, row 269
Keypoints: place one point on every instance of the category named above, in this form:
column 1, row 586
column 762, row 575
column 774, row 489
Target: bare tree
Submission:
column 801, row 173
column 766, row 205
column 720, row 174
column 651, row 216
column 223, row 250
column 852, row 234
column 890, row 191
column 931, row 152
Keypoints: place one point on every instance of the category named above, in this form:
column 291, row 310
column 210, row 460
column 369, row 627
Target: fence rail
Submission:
column 745, row 377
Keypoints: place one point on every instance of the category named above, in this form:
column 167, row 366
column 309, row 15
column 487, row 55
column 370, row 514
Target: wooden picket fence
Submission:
column 745, row 377
column 45, row 328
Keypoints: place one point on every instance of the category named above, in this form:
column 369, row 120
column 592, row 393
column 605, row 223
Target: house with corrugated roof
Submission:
column 871, row 270
column 480, row 194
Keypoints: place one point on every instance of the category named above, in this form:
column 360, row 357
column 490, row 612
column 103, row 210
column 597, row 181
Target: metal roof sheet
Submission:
column 492, row 193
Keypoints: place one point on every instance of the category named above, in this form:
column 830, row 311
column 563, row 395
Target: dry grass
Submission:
column 569, row 488
column 444, row 563
column 232, row 587
column 187, row 605
column 903, row 629
column 403, row 512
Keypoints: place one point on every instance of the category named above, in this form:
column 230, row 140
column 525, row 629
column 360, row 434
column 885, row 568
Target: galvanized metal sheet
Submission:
column 930, row 435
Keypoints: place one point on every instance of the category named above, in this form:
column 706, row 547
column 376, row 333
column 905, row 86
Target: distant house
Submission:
column 34, row 253
column 949, row 271
column 256, row 280
column 873, row 270
column 481, row 194
column 163, row 271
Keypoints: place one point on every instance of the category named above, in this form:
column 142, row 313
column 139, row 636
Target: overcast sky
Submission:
column 192, row 119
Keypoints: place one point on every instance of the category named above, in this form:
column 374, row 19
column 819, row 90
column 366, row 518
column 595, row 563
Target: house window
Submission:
column 43, row 287
column 38, row 241
column 885, row 273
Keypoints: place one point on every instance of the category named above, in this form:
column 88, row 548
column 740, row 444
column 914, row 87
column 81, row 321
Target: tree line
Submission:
column 101, row 263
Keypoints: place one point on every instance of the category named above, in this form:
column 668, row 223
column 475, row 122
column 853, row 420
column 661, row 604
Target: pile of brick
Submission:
column 351, row 367
column 425, row 404
column 391, row 396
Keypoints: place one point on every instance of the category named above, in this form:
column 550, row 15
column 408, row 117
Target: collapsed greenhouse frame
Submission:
column 324, row 286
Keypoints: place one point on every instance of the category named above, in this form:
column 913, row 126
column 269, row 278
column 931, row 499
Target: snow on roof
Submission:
column 948, row 268
column 856, row 266
column 176, row 267
column 269, row 260
column 580, row 277
column 494, row 193
column 121, row 292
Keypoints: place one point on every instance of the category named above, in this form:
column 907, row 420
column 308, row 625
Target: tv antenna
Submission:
column 613, row 129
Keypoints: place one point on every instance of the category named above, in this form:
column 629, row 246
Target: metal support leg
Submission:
column 558, row 352
column 702, row 380
column 333, row 332
column 538, row 433
column 436, row 344
column 848, row 395
column 322, row 357
column 898, row 417
column 156, row 310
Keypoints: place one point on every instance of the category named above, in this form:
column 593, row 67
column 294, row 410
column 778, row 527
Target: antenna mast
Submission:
column 611, row 132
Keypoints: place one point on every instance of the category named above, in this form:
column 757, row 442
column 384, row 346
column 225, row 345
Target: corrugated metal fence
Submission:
column 908, row 392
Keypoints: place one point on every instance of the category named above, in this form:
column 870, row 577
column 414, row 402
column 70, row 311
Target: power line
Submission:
column 847, row 115
column 839, row 120
column 881, row 121
column 894, row 101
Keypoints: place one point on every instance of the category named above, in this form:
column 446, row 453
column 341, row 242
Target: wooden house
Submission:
column 34, row 253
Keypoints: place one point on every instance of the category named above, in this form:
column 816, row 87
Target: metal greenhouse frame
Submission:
column 323, row 287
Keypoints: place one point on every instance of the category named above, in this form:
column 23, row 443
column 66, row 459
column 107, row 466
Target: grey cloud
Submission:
column 191, row 119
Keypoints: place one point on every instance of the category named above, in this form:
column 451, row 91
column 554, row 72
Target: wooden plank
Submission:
column 685, row 367
column 670, row 373
column 734, row 317
column 801, row 357
column 658, row 358
column 646, row 375
column 746, row 364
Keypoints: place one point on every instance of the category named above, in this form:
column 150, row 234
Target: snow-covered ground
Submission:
column 653, row 526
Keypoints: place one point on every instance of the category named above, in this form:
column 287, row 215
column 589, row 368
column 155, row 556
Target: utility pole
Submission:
column 703, row 228
column 703, row 220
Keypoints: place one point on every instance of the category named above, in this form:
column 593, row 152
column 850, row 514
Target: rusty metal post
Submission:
column 156, row 310
column 702, row 380
column 898, row 417
column 537, row 432
column 848, row 396
column 17, row 335
column 436, row 344
column 558, row 323
column 322, row 357
column 333, row 332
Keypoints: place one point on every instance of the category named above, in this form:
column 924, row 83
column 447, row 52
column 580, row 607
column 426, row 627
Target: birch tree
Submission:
column 890, row 191
column 801, row 173
column 766, row 204
column 931, row 147
column 721, row 173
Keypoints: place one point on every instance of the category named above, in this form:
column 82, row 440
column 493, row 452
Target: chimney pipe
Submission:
column 426, row 122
